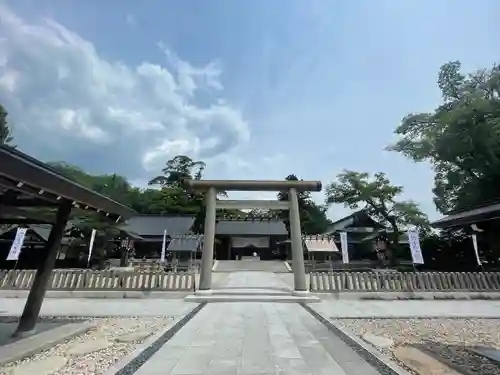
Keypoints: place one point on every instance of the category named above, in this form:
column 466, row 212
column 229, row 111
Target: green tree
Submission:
column 177, row 169
column 357, row 190
column 460, row 138
column 5, row 131
column 313, row 219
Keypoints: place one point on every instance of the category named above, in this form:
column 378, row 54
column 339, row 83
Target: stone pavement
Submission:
column 252, row 280
column 330, row 308
column 79, row 307
column 255, row 339
column 406, row 309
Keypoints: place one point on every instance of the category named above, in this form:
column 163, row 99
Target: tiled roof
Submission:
column 185, row 243
column 154, row 225
column 251, row 227
column 471, row 216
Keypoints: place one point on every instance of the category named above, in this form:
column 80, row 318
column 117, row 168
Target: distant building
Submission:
column 243, row 236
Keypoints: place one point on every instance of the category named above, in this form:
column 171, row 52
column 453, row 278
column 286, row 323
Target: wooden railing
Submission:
column 100, row 280
column 404, row 281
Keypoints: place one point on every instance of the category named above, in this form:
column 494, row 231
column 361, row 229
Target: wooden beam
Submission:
column 21, row 221
column 27, row 214
column 37, row 293
column 26, row 189
column 29, row 202
column 252, row 204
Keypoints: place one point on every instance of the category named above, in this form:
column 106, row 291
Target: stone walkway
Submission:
column 255, row 339
column 252, row 280
column 250, row 265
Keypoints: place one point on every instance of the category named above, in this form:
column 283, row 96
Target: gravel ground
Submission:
column 446, row 338
column 98, row 362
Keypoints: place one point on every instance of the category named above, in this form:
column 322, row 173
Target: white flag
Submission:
column 163, row 246
column 91, row 245
column 476, row 250
column 416, row 251
column 17, row 245
column 345, row 247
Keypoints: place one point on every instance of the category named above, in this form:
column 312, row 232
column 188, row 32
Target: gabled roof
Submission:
column 359, row 219
column 265, row 227
column 190, row 243
column 155, row 225
column 470, row 216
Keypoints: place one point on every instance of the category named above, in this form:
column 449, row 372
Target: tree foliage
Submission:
column 5, row 130
column 460, row 138
column 313, row 217
column 178, row 169
column 376, row 195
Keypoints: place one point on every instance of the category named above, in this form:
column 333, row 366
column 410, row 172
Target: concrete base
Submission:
column 301, row 293
column 252, row 298
column 206, row 292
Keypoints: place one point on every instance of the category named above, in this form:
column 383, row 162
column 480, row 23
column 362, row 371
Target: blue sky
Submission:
column 257, row 89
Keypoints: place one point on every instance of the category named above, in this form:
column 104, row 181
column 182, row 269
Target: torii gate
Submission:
column 212, row 204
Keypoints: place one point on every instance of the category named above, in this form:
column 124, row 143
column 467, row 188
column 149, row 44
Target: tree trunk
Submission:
column 123, row 257
column 394, row 243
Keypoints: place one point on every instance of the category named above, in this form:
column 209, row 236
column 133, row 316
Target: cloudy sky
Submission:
column 256, row 89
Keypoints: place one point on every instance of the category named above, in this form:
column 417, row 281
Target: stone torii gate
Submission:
column 211, row 187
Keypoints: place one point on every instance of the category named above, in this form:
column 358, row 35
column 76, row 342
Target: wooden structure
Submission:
column 334, row 282
column 86, row 280
column 237, row 237
column 27, row 184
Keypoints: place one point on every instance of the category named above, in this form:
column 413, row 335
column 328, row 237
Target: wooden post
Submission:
column 35, row 298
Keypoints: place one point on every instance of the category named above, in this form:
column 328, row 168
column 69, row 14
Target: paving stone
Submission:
column 134, row 336
column 378, row 341
column 422, row 363
column 488, row 352
column 45, row 366
column 88, row 346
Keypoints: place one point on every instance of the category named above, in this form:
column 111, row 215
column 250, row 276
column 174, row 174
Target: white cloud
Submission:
column 62, row 93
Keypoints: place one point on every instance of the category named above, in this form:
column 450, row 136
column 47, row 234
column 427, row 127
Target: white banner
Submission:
column 17, row 245
column 91, row 245
column 416, row 251
column 476, row 250
column 163, row 246
column 345, row 247
column 240, row 242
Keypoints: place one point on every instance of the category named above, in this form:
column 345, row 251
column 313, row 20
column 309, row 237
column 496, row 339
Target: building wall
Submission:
column 224, row 250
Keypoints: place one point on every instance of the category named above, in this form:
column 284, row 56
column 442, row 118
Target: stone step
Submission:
column 252, row 298
column 250, row 292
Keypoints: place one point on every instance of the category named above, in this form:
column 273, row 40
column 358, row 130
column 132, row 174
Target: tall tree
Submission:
column 313, row 219
column 378, row 197
column 5, row 131
column 177, row 169
column 460, row 138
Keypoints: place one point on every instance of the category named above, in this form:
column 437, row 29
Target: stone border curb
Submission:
column 405, row 296
column 133, row 361
column 39, row 342
column 366, row 351
column 288, row 267
column 99, row 294
column 214, row 267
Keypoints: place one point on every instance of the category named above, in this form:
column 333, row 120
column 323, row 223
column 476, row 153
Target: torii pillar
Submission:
column 211, row 187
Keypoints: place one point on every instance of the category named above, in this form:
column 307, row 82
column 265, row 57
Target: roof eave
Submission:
column 24, row 168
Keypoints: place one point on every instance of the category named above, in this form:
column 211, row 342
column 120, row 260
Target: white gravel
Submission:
column 98, row 362
column 445, row 338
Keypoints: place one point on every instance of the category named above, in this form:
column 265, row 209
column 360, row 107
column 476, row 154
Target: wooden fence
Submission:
column 101, row 280
column 331, row 282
